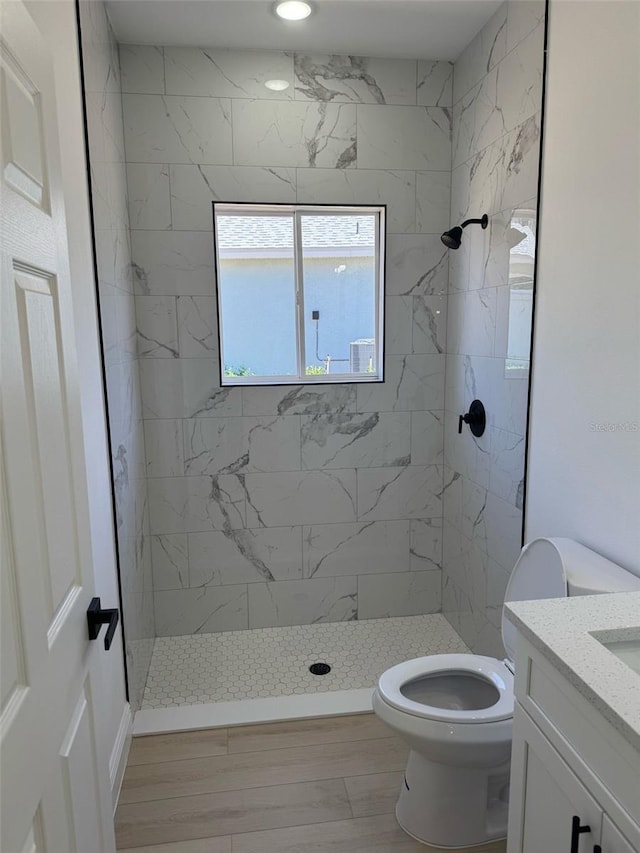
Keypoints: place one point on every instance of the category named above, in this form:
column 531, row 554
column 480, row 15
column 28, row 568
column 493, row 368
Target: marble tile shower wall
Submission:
column 496, row 127
column 115, row 291
column 287, row 505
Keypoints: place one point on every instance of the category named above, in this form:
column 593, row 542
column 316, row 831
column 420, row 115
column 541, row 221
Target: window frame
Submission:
column 297, row 211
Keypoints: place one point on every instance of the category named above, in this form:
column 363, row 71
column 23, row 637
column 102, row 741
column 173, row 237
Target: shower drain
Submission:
column 319, row 668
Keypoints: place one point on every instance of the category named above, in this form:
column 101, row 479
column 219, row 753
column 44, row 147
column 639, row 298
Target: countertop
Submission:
column 569, row 632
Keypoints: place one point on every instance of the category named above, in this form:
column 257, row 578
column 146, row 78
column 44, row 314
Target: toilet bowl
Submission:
column 456, row 711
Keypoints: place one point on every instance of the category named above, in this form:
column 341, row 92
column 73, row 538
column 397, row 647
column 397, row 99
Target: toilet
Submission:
column 455, row 711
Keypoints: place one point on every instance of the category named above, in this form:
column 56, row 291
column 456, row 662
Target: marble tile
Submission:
column 435, row 83
column 193, row 188
column 170, row 129
column 231, row 445
column 433, row 202
column 219, row 73
column 521, row 159
column 295, row 498
column 173, row 263
column 170, row 560
column 427, row 438
column 464, row 127
column 519, row 85
column 185, row 388
column 280, row 133
column 404, row 137
column 141, row 69
column 523, row 17
column 299, row 400
column 466, row 563
column 452, row 497
column 504, row 531
column 198, row 326
column 506, row 475
column 426, row 545
column 204, row 610
column 429, row 327
column 163, row 448
column 485, row 51
column 302, row 602
column 388, row 493
column 156, row 327
column 398, row 594
column 497, row 580
column 396, row 189
column 355, row 440
column 245, row 556
column 398, row 328
column 471, row 322
column 466, row 454
column 417, row 265
column 467, row 619
column 196, row 504
column 354, row 79
column 411, row 383
column 149, row 196
column 333, row 550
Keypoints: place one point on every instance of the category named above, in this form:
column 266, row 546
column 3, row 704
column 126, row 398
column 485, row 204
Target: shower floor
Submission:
column 274, row 662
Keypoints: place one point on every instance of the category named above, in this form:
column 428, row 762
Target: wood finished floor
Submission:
column 309, row 786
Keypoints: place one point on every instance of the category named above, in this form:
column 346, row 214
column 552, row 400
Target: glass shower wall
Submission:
column 118, row 328
column 496, row 151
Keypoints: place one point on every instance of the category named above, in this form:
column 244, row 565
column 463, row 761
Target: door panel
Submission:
column 612, row 839
column 53, row 788
column 545, row 795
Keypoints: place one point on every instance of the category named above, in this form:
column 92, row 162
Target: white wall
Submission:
column 583, row 482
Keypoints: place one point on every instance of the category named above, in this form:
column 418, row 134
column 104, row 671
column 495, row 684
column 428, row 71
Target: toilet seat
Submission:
column 488, row 669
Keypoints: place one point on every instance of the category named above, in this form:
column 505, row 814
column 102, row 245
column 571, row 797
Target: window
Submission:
column 300, row 293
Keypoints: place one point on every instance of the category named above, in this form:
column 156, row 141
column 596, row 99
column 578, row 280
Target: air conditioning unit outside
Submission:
column 362, row 355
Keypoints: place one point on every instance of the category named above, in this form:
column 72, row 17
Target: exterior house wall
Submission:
column 292, row 504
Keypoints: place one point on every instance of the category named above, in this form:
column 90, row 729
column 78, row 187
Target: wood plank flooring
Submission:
column 308, row 786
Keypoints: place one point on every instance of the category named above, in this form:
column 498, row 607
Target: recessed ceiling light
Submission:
column 293, row 10
column 277, row 85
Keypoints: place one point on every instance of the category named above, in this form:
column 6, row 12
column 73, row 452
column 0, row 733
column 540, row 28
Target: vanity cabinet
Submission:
column 575, row 780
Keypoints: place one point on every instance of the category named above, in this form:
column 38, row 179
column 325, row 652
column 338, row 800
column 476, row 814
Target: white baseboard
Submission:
column 154, row 721
column 120, row 753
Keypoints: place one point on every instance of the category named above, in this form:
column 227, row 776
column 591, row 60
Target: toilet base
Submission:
column 446, row 806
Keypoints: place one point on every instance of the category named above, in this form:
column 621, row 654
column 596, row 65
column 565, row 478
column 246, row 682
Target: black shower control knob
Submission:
column 476, row 418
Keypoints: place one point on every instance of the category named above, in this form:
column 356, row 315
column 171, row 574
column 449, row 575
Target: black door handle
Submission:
column 96, row 617
column 597, row 848
column 577, row 829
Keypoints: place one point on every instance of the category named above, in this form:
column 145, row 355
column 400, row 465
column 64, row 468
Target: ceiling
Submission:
column 430, row 29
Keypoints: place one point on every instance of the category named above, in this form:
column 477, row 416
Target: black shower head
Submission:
column 453, row 238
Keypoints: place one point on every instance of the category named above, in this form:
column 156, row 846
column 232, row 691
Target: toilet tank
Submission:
column 557, row 568
column 588, row 573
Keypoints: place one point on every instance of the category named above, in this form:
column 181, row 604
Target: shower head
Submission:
column 453, row 238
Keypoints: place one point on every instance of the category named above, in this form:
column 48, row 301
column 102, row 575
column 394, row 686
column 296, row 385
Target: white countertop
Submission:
column 563, row 631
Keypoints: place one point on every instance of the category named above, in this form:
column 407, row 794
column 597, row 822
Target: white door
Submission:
column 53, row 788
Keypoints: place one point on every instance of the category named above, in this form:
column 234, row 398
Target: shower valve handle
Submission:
column 476, row 417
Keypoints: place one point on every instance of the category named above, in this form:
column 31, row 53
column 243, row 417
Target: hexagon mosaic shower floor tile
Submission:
column 253, row 664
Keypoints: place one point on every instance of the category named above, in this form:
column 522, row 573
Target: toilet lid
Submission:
column 538, row 573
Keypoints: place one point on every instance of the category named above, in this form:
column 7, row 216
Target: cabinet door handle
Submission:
column 577, row 829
